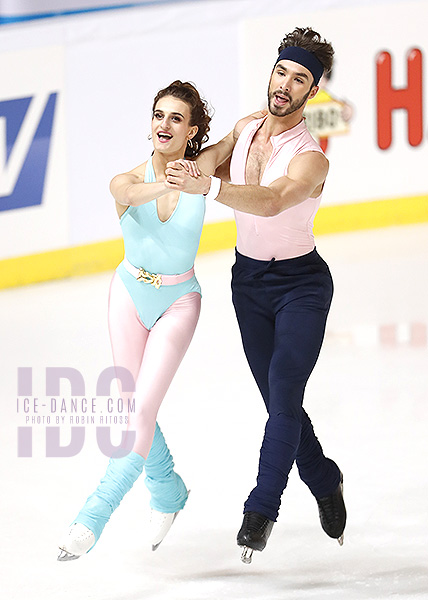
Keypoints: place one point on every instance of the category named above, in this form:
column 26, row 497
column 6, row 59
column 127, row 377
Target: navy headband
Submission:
column 304, row 58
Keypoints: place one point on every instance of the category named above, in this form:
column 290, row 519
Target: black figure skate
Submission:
column 253, row 534
column 332, row 513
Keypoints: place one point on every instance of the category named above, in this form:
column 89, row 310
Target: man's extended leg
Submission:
column 324, row 480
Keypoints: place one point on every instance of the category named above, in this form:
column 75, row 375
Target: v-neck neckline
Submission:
column 152, row 178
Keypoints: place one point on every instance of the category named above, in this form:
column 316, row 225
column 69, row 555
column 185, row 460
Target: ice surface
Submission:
column 367, row 397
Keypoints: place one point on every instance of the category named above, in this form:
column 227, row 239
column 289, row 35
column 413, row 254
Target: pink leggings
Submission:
column 151, row 356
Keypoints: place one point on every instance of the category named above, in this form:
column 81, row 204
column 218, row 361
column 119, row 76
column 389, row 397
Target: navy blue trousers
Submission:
column 282, row 308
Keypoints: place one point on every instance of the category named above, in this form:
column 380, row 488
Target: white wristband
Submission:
column 214, row 188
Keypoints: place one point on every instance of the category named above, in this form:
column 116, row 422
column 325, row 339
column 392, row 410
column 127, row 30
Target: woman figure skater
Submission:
column 154, row 306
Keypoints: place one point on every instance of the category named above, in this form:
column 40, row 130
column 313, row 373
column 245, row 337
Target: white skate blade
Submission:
column 341, row 539
column 63, row 555
column 160, row 524
column 76, row 542
column 247, row 555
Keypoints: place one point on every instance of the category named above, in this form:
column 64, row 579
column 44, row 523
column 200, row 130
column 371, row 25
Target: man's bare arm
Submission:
column 213, row 156
column 305, row 177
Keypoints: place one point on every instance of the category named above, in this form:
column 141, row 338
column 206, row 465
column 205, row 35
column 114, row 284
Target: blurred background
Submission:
column 77, row 81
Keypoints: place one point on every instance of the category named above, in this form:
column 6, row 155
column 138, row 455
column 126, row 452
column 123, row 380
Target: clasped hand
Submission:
column 185, row 175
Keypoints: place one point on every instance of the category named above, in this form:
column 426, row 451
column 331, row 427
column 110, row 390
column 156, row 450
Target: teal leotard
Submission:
column 168, row 248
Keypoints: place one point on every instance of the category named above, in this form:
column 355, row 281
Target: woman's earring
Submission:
column 190, row 143
column 149, row 137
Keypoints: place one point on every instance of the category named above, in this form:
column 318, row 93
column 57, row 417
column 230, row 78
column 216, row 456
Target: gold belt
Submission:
column 151, row 278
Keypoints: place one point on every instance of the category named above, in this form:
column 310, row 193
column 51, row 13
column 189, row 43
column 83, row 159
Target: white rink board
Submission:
column 107, row 67
column 359, row 169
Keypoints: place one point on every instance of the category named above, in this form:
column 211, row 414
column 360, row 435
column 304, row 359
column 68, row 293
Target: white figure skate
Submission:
column 159, row 525
column 77, row 541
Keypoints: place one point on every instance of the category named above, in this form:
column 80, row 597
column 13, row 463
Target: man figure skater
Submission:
column 281, row 287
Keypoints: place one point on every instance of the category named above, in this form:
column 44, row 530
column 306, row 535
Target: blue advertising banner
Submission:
column 28, row 137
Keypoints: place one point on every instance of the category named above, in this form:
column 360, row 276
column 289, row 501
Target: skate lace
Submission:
column 255, row 522
column 330, row 507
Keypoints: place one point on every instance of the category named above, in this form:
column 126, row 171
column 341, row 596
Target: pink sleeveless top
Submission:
column 288, row 234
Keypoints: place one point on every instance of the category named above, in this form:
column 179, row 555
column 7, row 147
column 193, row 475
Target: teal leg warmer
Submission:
column 167, row 489
column 120, row 476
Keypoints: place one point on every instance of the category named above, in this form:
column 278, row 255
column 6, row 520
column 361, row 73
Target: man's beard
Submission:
column 288, row 109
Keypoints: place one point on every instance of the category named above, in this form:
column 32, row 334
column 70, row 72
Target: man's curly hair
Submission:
column 310, row 40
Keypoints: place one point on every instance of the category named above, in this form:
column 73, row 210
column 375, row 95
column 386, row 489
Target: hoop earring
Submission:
column 190, row 144
column 149, row 137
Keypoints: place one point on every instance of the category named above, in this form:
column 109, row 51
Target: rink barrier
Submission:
column 373, row 214
column 105, row 256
